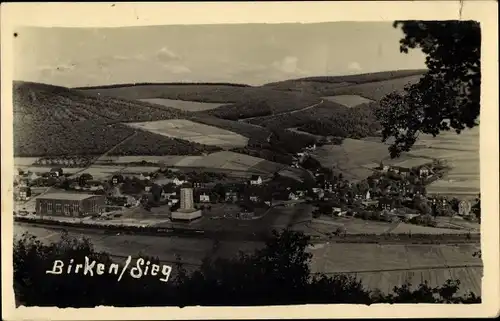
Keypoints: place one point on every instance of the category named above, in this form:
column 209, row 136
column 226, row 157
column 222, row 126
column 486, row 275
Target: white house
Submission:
column 292, row 196
column 256, row 180
column 173, row 201
column 178, row 181
column 143, row 177
column 316, row 189
column 368, row 196
column 254, row 198
column 423, row 171
column 33, row 176
column 311, row 147
column 204, row 198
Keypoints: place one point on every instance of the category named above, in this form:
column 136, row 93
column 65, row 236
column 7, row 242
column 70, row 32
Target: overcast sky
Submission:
column 247, row 53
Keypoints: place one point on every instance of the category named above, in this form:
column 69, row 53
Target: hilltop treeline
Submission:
column 359, row 78
column 162, row 84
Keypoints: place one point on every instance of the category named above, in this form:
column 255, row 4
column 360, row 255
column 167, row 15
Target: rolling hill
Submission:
column 334, row 119
column 52, row 121
column 363, row 84
column 240, row 101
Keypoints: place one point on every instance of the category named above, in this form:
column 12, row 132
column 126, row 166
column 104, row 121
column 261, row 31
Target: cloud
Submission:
column 165, row 54
column 57, row 68
column 176, row 68
column 354, row 66
column 287, row 64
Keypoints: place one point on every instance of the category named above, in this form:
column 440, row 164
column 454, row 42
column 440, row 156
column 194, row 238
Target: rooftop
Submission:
column 413, row 162
column 66, row 196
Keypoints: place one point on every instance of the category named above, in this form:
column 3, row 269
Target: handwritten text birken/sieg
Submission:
column 91, row 268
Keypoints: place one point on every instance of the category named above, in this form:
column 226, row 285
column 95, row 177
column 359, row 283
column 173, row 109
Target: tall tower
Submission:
column 187, row 203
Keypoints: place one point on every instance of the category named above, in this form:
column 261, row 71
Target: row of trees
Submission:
column 276, row 274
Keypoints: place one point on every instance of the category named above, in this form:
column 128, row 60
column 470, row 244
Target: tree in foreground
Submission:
column 277, row 274
column 447, row 97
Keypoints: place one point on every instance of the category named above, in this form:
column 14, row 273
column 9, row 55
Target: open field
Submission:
column 461, row 153
column 384, row 266
column 237, row 162
column 348, row 100
column 356, row 226
column 380, row 266
column 193, row 132
column 378, row 89
column 117, row 160
column 355, row 157
column 182, row 104
column 225, row 161
column 253, row 132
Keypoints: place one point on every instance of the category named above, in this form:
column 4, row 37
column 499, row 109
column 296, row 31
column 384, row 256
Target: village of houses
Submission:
column 390, row 194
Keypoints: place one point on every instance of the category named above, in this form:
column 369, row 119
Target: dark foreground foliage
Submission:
column 277, row 274
column 447, row 97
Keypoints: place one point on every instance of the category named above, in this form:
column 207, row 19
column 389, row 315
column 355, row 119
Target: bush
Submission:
column 277, row 274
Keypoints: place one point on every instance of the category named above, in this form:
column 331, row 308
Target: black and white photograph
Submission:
column 247, row 164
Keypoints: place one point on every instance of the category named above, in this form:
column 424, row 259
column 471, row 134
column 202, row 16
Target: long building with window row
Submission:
column 69, row 204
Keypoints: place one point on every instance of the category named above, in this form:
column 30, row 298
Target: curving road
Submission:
column 283, row 113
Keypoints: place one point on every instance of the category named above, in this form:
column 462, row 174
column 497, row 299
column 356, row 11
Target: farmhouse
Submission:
column 178, row 181
column 56, row 172
column 387, row 204
column 69, row 204
column 423, row 171
column 116, row 179
column 204, row 198
column 199, row 185
column 148, row 186
column 256, row 180
column 254, row 198
column 24, row 193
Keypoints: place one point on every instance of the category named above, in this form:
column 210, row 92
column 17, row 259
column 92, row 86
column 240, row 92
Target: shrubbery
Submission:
column 277, row 274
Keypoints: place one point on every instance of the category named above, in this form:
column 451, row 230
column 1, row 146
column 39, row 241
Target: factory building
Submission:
column 69, row 204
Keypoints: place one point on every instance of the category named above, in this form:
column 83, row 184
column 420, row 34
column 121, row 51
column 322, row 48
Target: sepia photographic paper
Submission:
column 250, row 160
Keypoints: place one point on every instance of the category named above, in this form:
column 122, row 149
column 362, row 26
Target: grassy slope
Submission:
column 51, row 121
